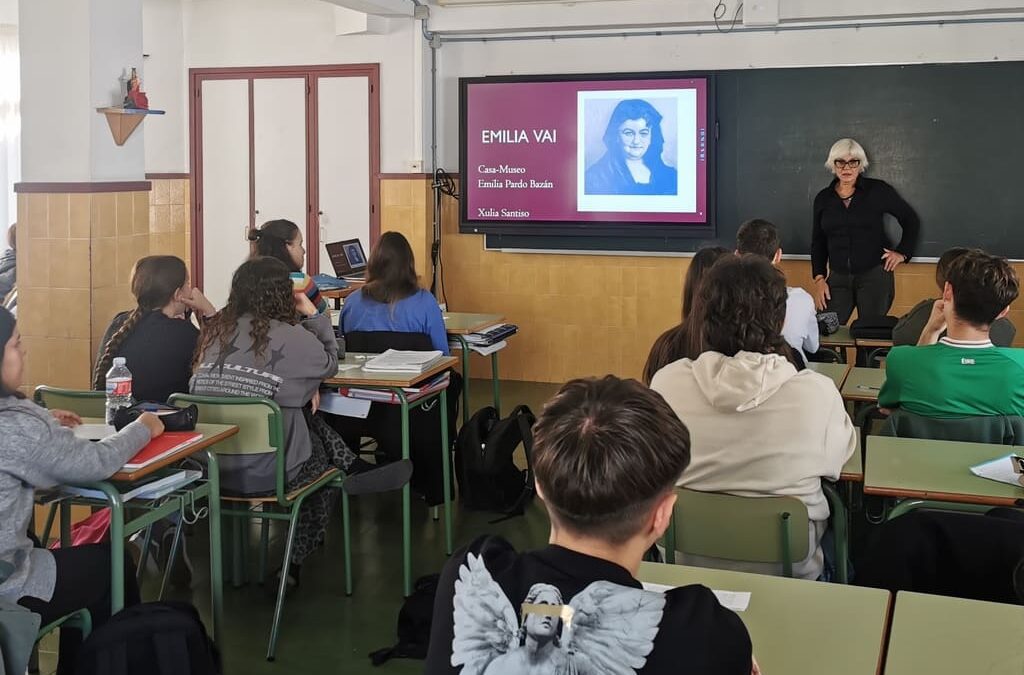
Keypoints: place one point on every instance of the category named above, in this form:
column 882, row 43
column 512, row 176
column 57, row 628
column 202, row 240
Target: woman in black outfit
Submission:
column 851, row 260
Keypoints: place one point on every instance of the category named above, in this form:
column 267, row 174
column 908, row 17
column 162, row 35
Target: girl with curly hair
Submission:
column 157, row 338
column 270, row 342
column 759, row 426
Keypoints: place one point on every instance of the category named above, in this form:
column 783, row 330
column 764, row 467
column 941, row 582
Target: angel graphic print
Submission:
column 606, row 628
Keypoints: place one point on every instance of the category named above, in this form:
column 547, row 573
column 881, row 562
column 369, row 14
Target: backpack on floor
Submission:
column 488, row 478
column 165, row 638
column 414, row 619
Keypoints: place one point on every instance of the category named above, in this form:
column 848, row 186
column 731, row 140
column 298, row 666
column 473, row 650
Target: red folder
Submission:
column 164, row 445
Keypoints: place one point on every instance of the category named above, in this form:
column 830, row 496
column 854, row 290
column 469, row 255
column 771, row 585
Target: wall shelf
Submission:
column 123, row 121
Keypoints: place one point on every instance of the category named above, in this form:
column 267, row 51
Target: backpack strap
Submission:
column 525, row 419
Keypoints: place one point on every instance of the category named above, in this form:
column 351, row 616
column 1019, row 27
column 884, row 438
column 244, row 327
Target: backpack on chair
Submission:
column 488, row 478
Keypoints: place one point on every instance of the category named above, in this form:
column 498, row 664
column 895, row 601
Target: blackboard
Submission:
column 949, row 138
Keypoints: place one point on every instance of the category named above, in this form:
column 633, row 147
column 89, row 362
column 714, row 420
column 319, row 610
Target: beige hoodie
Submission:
column 757, row 427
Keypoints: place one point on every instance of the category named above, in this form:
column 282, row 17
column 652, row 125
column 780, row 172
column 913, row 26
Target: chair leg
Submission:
column 236, row 555
column 147, row 541
column 264, row 545
column 175, row 545
column 346, row 527
column 282, row 588
column 48, row 527
column 246, row 523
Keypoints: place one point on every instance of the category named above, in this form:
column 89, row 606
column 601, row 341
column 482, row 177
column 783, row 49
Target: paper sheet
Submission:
column 737, row 601
column 343, row 405
column 998, row 469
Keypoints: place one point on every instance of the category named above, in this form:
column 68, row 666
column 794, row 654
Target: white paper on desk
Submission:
column 487, row 350
column 737, row 601
column 343, row 405
column 94, row 432
column 998, row 469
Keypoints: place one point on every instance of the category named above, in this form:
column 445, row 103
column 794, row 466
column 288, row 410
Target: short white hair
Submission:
column 846, row 147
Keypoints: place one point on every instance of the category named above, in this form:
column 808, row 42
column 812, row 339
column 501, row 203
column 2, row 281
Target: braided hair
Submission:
column 155, row 280
column 272, row 239
column 261, row 289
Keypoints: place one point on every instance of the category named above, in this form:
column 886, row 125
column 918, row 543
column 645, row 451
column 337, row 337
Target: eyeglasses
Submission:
column 846, row 163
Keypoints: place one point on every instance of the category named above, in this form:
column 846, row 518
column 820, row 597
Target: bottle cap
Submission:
column 120, row 361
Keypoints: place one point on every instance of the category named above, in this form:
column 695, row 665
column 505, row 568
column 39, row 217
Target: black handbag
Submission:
column 873, row 328
column 174, row 419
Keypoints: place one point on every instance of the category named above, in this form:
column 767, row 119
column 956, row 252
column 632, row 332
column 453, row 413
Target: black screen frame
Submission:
column 639, row 229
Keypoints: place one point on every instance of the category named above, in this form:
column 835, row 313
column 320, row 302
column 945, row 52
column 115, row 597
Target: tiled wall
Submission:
column 578, row 315
column 75, row 255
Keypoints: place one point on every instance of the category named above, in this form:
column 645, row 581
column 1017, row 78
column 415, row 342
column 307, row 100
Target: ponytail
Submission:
column 103, row 364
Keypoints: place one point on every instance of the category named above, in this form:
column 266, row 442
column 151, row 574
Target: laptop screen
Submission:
column 347, row 257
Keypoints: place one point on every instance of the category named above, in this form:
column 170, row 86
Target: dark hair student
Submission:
column 391, row 270
column 279, row 239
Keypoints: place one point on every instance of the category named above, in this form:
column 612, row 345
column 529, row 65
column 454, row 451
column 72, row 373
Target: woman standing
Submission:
column 851, row 260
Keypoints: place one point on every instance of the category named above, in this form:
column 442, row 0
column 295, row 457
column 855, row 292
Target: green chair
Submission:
column 261, row 431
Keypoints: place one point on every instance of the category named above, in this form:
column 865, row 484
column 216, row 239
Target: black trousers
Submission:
column 871, row 292
column 83, row 582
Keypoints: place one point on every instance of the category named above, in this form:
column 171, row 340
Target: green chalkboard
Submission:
column 949, row 138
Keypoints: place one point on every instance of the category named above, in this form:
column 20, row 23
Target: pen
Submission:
column 868, row 387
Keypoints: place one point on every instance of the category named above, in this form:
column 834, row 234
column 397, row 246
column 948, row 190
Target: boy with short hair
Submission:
column 760, row 237
column 962, row 373
column 607, row 455
column 910, row 326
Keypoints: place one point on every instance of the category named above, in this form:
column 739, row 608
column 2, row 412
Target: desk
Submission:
column 875, row 349
column 837, row 372
column 838, row 342
column 863, row 385
column 853, row 470
column 396, row 383
column 339, row 294
column 175, row 502
column 798, row 627
column 939, row 470
column 460, row 324
column 934, row 634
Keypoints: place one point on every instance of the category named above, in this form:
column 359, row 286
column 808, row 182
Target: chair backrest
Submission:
column 998, row 429
column 260, row 428
column 84, row 402
column 378, row 341
column 747, row 529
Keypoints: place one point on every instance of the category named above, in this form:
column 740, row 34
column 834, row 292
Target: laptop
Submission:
column 348, row 259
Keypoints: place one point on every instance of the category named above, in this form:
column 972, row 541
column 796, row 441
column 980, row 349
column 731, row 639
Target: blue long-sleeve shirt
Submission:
column 417, row 313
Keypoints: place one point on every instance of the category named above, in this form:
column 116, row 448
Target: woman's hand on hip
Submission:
column 821, row 293
column 890, row 259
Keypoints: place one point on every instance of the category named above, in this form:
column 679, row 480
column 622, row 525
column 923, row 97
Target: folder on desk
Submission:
column 163, row 446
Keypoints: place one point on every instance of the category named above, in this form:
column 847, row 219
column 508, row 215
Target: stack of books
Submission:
column 492, row 335
column 398, row 361
column 436, row 383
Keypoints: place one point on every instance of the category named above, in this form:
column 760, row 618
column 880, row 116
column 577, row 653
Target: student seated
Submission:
column 607, row 454
column 282, row 239
column 671, row 345
column 393, row 302
column 270, row 342
column 963, row 373
column 761, row 237
column 910, row 326
column 157, row 338
column 759, row 427
column 38, row 450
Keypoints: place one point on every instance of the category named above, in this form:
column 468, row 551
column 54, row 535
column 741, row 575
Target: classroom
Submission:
column 511, row 336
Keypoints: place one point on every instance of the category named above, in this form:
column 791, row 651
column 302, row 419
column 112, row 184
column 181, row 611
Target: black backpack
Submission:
column 488, row 478
column 414, row 621
column 155, row 637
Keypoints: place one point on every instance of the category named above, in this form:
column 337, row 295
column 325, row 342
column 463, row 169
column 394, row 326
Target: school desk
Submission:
column 798, row 627
column 351, row 374
column 837, row 372
column 339, row 294
column 460, row 324
column 838, row 342
column 863, row 384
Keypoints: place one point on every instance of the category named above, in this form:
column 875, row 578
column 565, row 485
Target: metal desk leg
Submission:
column 496, row 383
column 216, row 560
column 116, row 550
column 446, row 473
column 406, row 501
column 464, row 346
column 65, row 523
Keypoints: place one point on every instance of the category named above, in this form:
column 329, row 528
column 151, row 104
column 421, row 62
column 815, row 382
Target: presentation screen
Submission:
column 594, row 154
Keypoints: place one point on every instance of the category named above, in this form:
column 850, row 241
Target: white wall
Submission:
column 165, row 82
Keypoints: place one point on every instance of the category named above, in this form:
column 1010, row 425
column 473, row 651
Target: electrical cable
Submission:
column 719, row 13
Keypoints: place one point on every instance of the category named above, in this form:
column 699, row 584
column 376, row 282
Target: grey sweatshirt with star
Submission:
column 290, row 371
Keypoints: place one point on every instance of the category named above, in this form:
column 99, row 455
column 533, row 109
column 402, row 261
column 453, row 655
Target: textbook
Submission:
column 161, row 447
column 1004, row 469
column 398, row 361
column 411, row 393
column 151, row 487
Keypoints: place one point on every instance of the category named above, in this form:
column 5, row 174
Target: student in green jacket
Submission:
column 956, row 371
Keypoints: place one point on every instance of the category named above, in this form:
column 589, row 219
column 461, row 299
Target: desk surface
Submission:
column 798, row 626
column 336, row 293
column 863, row 384
column 361, row 378
column 934, row 634
column 940, row 470
column 837, row 372
column 841, row 338
column 212, row 433
column 853, row 470
column 463, row 323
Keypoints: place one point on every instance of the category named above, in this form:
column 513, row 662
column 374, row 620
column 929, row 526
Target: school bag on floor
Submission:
column 153, row 638
column 414, row 619
column 488, row 478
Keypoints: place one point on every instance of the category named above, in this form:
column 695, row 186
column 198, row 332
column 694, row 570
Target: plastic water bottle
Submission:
column 119, row 388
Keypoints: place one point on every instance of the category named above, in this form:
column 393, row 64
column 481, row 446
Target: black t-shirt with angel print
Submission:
column 583, row 616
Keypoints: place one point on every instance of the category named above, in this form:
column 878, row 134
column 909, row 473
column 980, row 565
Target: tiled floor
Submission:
column 323, row 631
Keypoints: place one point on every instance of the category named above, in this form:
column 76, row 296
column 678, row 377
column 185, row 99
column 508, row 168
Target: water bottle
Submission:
column 119, row 388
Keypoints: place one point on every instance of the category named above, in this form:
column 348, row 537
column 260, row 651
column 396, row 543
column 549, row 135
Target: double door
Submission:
column 294, row 143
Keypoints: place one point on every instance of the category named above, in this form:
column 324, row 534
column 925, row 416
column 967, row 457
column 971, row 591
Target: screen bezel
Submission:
column 680, row 230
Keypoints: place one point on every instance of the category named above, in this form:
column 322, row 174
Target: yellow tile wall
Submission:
column 169, row 217
column 578, row 315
